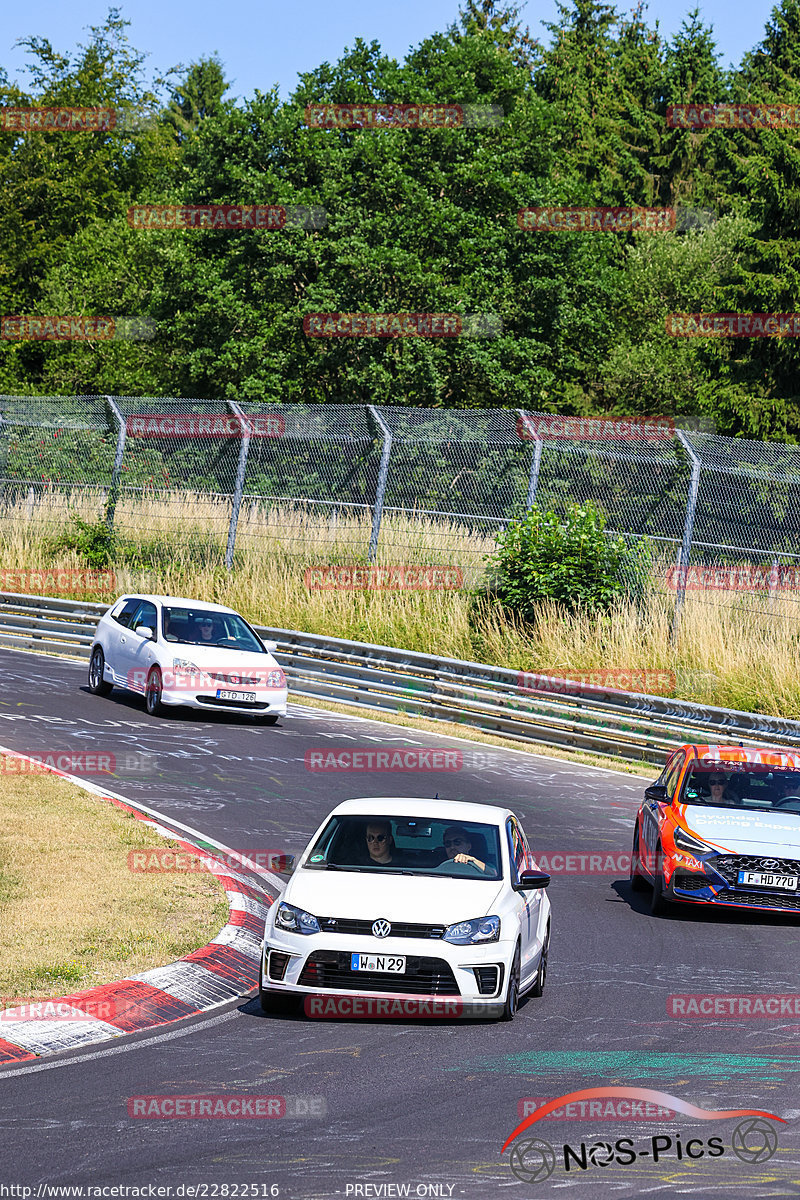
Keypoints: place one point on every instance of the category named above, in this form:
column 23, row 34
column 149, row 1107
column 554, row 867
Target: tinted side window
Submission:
column 144, row 615
column 123, row 615
column 521, row 859
column 671, row 775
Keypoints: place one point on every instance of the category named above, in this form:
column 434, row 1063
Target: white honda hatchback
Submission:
column 174, row 651
column 410, row 898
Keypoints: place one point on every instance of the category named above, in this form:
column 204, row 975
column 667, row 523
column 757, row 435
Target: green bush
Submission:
column 92, row 540
column 569, row 559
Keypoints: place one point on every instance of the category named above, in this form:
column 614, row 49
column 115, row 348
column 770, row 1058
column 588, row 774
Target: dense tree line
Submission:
column 420, row 220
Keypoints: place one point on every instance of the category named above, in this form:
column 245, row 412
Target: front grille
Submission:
column 690, row 883
column 488, row 980
column 215, row 702
column 423, row 976
column 236, row 680
column 779, row 902
column 403, row 929
column 278, row 962
column 729, row 865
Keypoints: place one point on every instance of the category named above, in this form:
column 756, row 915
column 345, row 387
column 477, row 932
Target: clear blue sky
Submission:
column 262, row 43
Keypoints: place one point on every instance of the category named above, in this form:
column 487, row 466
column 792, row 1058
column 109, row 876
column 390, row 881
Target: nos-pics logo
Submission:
column 532, row 1160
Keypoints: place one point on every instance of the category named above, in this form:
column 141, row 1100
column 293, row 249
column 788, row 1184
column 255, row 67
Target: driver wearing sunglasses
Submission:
column 457, row 846
column 380, row 843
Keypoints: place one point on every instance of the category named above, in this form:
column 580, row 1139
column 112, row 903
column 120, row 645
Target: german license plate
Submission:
column 766, row 879
column 393, row 964
column 223, row 694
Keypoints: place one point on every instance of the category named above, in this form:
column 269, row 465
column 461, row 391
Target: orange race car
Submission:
column 721, row 826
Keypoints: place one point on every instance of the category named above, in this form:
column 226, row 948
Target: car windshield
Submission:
column 743, row 785
column 408, row 846
column 204, row 627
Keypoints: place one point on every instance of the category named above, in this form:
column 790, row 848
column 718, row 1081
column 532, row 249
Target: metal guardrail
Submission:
column 575, row 716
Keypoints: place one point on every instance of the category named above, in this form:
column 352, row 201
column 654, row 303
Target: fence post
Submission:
column 118, row 455
column 536, row 461
column 383, row 475
column 688, row 530
column 238, row 487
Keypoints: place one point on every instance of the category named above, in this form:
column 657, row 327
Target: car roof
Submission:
column 454, row 811
column 181, row 601
column 767, row 756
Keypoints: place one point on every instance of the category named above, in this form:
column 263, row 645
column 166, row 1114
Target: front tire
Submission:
column 97, row 683
column 658, row 905
column 512, row 990
column 637, row 880
column 153, row 693
column 272, row 719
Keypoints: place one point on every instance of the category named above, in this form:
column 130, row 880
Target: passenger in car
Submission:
column 457, row 845
column 380, row 843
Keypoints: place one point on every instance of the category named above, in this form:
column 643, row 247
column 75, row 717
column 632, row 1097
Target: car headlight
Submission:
column 275, row 679
column 689, row 843
column 182, row 666
column 295, row 920
column 469, row 933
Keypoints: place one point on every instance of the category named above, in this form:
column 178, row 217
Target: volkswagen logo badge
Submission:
column 381, row 928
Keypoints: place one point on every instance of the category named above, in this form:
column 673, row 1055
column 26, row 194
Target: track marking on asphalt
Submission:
column 304, row 711
column 127, row 1047
column 307, row 709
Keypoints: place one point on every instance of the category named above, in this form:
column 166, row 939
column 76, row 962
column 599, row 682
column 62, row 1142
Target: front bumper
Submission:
column 718, row 884
column 319, row 964
column 268, row 700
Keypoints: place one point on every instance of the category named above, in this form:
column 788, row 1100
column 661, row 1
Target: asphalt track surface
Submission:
column 428, row 1105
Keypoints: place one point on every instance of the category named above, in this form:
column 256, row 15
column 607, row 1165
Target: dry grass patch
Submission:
column 72, row 913
column 735, row 651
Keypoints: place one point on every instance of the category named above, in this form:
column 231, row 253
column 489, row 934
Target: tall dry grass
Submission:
column 734, row 651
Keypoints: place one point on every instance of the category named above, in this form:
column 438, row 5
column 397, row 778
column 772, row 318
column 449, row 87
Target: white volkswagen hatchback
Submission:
column 410, row 898
column 183, row 652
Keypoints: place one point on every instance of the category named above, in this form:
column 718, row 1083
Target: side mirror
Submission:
column 284, row 863
column 656, row 793
column 144, row 631
column 531, row 880
column 270, row 646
